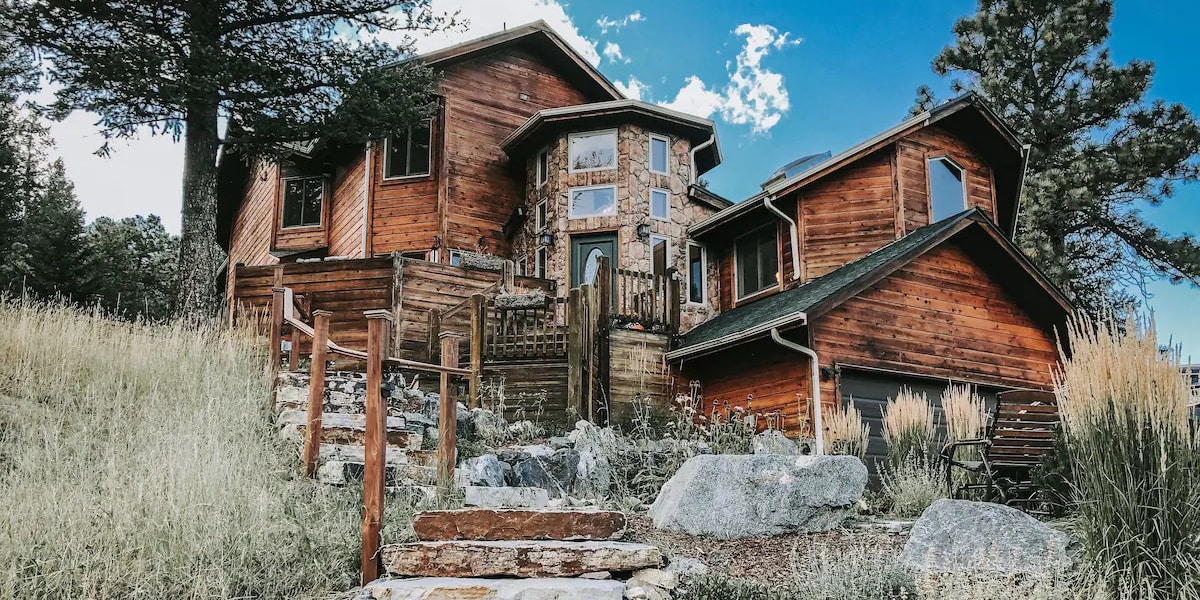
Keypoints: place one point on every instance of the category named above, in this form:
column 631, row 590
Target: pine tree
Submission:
column 52, row 238
column 133, row 265
column 1099, row 148
column 281, row 71
column 17, row 76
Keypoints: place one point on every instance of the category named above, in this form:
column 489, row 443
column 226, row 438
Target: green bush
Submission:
column 907, row 489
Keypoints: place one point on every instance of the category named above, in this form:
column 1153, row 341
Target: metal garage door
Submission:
column 870, row 391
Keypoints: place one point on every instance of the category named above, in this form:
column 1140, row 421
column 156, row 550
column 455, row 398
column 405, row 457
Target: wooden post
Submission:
column 478, row 321
column 276, row 334
column 447, row 416
column 673, row 298
column 379, row 323
column 294, row 351
column 604, row 280
column 435, row 328
column 316, row 391
column 591, row 322
column 575, row 358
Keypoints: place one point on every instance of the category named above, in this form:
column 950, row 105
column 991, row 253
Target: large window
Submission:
column 660, row 204
column 407, row 154
column 302, row 198
column 660, row 254
column 947, row 188
column 696, row 274
column 757, row 256
column 593, row 202
column 658, row 154
column 594, row 151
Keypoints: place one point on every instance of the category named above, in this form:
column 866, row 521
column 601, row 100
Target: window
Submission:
column 697, row 275
column 593, row 202
column 947, row 188
column 595, row 151
column 523, row 266
column 407, row 154
column 658, row 154
column 543, row 165
column 302, row 201
column 660, row 254
column 415, row 254
column 539, row 217
column 455, row 258
column 660, row 204
column 539, row 263
column 757, row 261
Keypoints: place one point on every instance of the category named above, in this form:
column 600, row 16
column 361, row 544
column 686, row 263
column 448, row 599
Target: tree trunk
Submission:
column 199, row 255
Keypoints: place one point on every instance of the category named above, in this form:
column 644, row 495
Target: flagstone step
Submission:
column 349, row 429
column 518, row 524
column 505, row 497
column 339, row 472
column 446, row 588
column 516, row 558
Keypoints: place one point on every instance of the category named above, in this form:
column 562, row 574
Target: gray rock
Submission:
column 738, row 496
column 960, row 536
column 559, row 588
column 558, row 442
column 687, row 567
column 463, row 423
column 535, row 299
column 595, row 446
column 554, row 473
column 772, row 441
column 486, row 425
column 479, row 260
column 482, row 471
column 505, row 497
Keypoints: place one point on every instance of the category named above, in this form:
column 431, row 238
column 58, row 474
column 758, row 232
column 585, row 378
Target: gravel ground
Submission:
column 769, row 560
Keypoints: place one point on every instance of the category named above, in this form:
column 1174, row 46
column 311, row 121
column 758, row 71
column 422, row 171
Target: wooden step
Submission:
column 486, row 524
column 516, row 558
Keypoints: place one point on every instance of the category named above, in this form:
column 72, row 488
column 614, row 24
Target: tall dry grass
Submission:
column 908, row 426
column 845, row 432
column 138, row 461
column 965, row 413
column 1136, row 459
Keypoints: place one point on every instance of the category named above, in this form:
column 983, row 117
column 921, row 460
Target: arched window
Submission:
column 947, row 188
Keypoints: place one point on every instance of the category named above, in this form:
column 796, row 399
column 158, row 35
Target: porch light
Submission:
column 546, row 238
column 643, row 231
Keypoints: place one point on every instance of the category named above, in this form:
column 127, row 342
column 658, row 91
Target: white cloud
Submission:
column 633, row 89
column 754, row 95
column 612, row 51
column 606, row 23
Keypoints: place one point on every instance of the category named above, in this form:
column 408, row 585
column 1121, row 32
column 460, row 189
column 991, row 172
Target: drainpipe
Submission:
column 818, row 427
column 712, row 138
column 367, row 201
column 793, row 229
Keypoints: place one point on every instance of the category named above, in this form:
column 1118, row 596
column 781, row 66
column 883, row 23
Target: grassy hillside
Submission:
column 138, row 461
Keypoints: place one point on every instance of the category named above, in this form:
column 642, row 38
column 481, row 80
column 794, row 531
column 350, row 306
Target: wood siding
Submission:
column 254, row 223
column 847, row 215
column 347, row 215
column 637, row 369
column 912, row 154
column 534, row 391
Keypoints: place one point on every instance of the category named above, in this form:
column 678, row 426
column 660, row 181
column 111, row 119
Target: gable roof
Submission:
column 800, row 305
column 965, row 114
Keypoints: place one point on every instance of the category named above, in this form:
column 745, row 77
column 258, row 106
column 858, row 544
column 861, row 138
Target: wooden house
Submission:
column 848, row 276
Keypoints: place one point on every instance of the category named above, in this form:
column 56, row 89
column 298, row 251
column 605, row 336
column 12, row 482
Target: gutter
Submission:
column 799, row 318
column 818, row 426
column 792, row 228
column 712, row 138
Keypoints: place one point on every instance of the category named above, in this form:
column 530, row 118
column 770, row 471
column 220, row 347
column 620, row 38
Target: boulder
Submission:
column 445, row 588
column 554, row 472
column 518, row 524
column 686, row 567
column 515, row 558
column 772, row 441
column 731, row 496
column 482, row 471
column 960, row 536
column 595, row 445
column 505, row 497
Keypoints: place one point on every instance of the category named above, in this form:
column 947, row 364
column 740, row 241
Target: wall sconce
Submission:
column 643, row 231
column 546, row 238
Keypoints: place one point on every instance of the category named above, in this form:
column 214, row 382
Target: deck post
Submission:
column 591, row 326
column 673, row 298
column 379, row 323
column 294, row 351
column 277, row 294
column 575, row 357
column 435, row 328
column 316, row 391
column 447, row 416
column 478, row 321
column 604, row 283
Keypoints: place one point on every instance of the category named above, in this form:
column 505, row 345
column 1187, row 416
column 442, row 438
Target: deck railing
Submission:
column 526, row 331
column 647, row 299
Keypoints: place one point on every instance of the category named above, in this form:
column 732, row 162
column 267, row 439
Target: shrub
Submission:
column 845, row 433
column 907, row 426
column 965, row 415
column 908, row 488
column 1136, row 466
column 856, row 574
column 721, row 587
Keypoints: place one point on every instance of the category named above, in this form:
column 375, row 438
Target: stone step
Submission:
column 348, row 429
column 505, row 497
column 336, row 472
column 354, row 453
column 516, row 558
column 560, row 588
column 518, row 524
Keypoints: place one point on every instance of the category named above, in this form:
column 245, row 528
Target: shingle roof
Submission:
column 814, row 293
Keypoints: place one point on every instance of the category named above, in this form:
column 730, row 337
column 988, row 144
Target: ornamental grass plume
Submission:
column 908, row 426
column 845, row 432
column 965, row 413
column 1123, row 404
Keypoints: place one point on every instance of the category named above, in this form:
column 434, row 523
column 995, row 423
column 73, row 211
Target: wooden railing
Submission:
column 637, row 297
column 379, row 325
column 525, row 332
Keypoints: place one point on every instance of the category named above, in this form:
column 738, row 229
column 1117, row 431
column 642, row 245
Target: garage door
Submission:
column 870, row 391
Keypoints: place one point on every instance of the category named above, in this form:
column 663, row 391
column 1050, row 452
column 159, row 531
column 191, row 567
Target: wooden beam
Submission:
column 604, row 281
column 478, row 304
column 379, row 323
column 276, row 338
column 447, row 416
column 316, row 391
column 435, row 328
column 575, row 357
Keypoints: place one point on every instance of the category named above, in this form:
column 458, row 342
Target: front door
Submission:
column 586, row 251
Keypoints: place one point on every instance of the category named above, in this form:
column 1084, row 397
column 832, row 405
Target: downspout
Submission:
column 793, row 229
column 366, row 216
column 818, row 426
column 712, row 138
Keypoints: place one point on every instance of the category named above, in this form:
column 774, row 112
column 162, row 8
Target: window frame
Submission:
column 703, row 301
column 666, row 154
column 540, row 257
column 412, row 255
column 541, row 169
column 541, row 216
column 667, row 266
column 929, row 183
column 455, row 255
column 387, row 155
column 522, row 265
column 583, row 188
column 667, row 193
column 737, row 293
column 283, row 202
column 616, row 150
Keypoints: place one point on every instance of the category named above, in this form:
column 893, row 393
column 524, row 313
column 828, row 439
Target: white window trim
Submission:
column 523, row 266
column 929, row 183
column 653, row 237
column 666, row 217
column 541, row 176
column 571, row 205
column 650, row 154
column 283, row 202
column 703, row 274
column 453, row 255
column 387, row 147
column 543, row 216
column 539, row 262
column 616, row 152
column 778, row 267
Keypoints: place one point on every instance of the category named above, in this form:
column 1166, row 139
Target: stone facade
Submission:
column 633, row 181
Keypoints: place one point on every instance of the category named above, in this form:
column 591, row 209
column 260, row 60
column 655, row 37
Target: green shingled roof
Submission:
column 814, row 293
